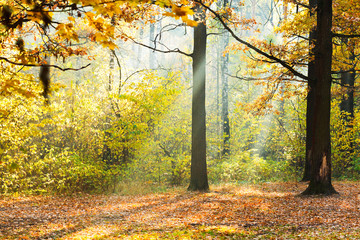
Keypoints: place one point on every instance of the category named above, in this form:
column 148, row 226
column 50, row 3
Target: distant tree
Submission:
column 224, row 60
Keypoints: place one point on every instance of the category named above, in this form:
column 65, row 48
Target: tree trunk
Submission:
column 320, row 151
column 225, row 95
column 309, row 122
column 151, row 43
column 44, row 77
column 108, row 156
column 199, row 179
column 347, row 101
column 310, row 98
column 347, row 108
column 218, row 109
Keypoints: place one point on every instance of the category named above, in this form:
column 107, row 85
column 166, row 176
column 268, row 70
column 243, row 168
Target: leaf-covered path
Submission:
column 264, row 211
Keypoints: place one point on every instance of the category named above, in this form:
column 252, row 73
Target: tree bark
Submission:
column 198, row 178
column 320, row 150
column 44, row 77
column 310, row 97
column 347, row 101
column 225, row 94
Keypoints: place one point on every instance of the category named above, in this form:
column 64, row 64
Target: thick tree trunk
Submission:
column 320, row 151
column 199, row 179
column 310, row 98
column 309, row 123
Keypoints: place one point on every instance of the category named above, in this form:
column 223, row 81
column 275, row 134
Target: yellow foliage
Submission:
column 182, row 12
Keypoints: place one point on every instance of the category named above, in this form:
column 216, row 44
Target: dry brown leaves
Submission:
column 267, row 206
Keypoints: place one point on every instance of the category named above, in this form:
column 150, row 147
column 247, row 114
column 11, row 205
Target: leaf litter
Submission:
column 258, row 211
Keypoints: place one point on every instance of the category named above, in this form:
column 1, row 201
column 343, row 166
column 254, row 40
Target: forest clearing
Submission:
column 245, row 211
column 179, row 119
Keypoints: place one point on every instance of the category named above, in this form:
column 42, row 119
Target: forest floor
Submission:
column 260, row 211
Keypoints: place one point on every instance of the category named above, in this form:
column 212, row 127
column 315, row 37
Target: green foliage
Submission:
column 249, row 167
column 344, row 136
column 60, row 148
column 264, row 148
column 165, row 158
column 58, row 172
column 137, row 112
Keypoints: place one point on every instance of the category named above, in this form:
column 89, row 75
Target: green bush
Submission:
column 61, row 172
column 249, row 167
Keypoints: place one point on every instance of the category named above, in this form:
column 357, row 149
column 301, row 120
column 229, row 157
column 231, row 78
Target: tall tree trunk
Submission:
column 309, row 121
column 310, row 97
column 198, row 178
column 225, row 94
column 217, row 95
column 320, row 151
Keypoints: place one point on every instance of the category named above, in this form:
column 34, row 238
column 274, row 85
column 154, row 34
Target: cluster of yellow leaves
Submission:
column 299, row 24
column 346, row 16
column 182, row 12
column 67, row 30
column 104, row 30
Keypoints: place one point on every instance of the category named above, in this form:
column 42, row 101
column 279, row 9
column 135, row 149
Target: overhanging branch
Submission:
column 39, row 65
column 346, row 35
column 252, row 47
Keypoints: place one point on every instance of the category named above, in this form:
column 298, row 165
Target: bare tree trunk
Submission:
column 320, row 151
column 225, row 95
column 310, row 98
column 199, row 179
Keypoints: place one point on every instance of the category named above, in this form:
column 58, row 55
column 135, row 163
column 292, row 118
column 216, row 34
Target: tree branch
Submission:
column 176, row 50
column 345, row 35
column 40, row 65
column 259, row 51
